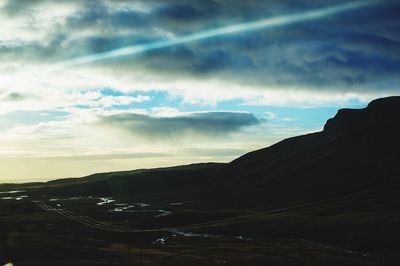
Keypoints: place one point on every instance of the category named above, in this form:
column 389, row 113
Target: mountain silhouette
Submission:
column 358, row 149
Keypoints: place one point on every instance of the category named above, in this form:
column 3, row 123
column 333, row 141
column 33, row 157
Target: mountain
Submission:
column 357, row 150
column 325, row 198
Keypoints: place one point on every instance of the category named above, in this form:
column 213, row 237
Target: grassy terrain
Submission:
column 356, row 229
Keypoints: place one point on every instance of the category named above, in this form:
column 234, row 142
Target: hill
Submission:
column 356, row 150
column 325, row 198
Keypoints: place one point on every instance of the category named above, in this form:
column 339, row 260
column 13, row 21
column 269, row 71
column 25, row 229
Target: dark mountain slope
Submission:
column 358, row 149
column 171, row 183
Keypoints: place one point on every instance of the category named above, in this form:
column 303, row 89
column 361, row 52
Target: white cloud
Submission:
column 270, row 115
column 34, row 23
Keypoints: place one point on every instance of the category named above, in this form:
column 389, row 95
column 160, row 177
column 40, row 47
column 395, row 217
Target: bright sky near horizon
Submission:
column 93, row 86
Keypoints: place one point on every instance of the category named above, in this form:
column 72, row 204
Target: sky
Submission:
column 97, row 86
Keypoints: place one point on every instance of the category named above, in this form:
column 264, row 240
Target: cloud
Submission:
column 184, row 12
column 354, row 52
column 98, row 99
column 13, row 96
column 208, row 124
column 101, row 15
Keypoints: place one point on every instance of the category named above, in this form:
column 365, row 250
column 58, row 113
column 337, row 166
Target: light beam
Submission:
column 228, row 30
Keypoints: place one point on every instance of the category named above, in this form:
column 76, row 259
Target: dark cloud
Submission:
column 350, row 51
column 188, row 12
column 219, row 59
column 209, row 124
column 180, row 12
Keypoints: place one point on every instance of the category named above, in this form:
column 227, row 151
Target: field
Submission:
column 353, row 229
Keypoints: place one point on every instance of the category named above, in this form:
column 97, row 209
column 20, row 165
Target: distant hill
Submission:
column 358, row 149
